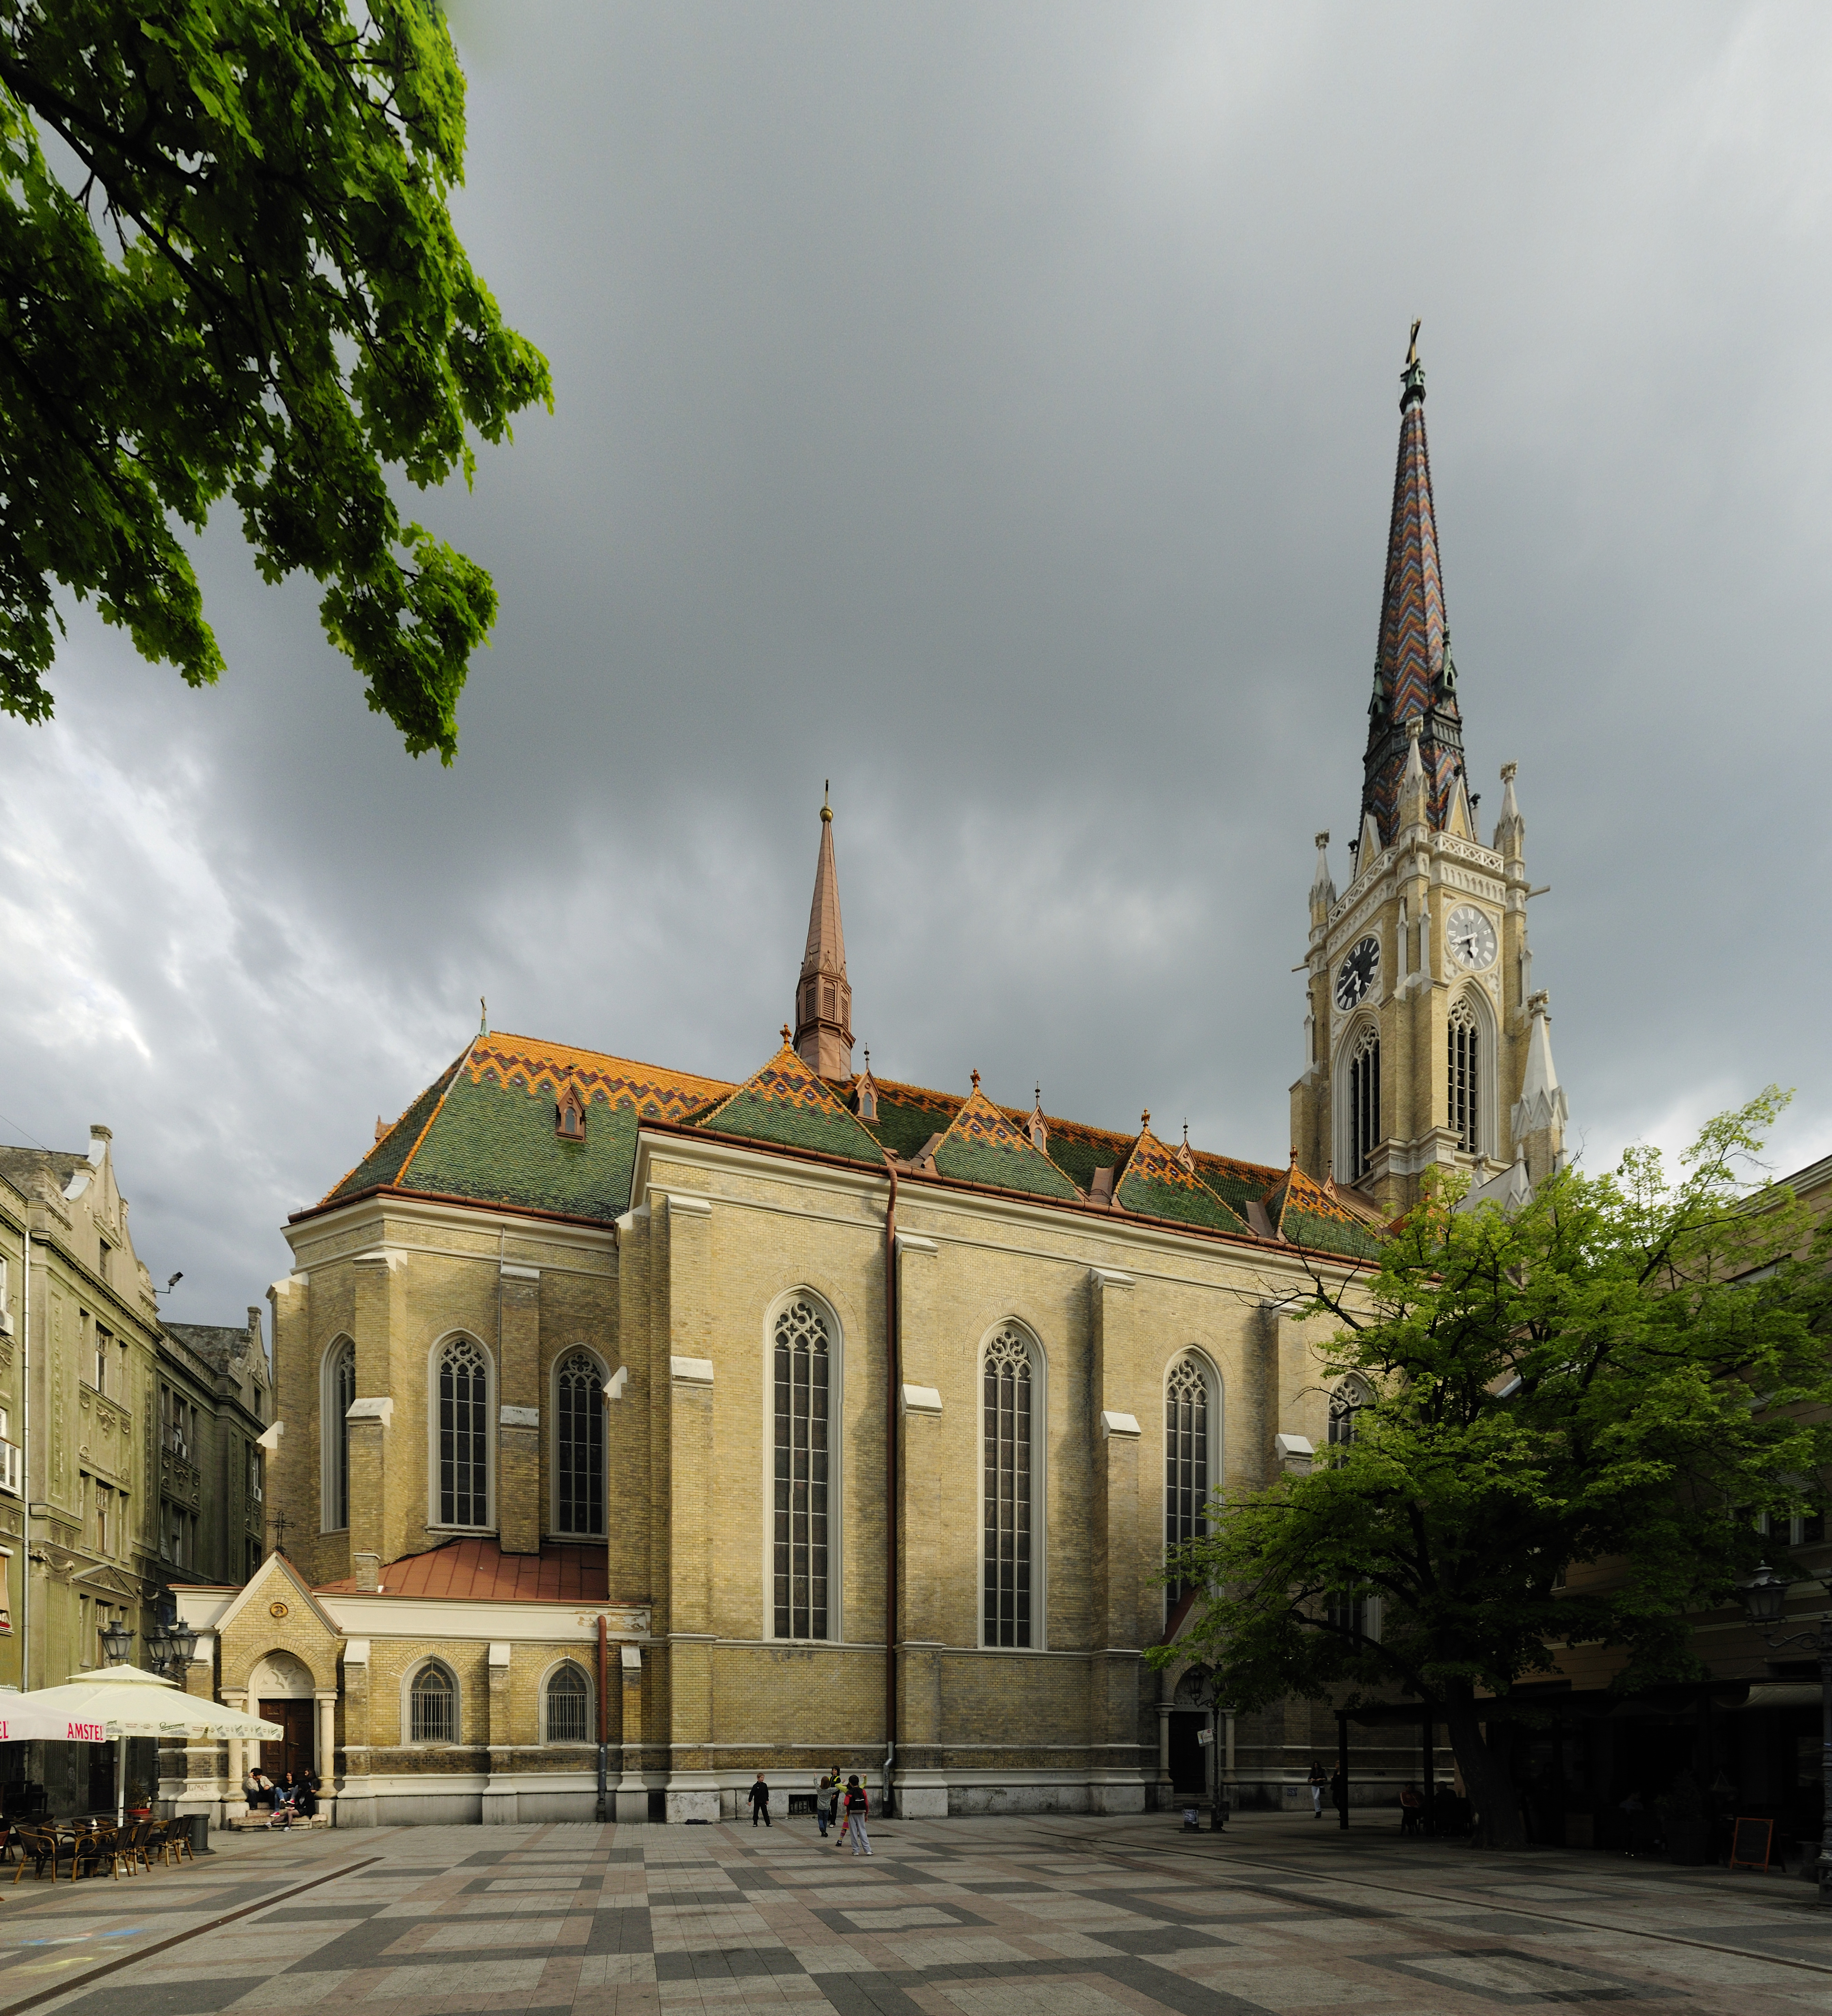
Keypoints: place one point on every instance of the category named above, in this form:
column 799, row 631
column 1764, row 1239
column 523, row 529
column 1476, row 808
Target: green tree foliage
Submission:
column 236, row 276
column 1620, row 1374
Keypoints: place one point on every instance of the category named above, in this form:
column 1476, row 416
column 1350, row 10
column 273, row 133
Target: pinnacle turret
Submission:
column 1415, row 677
column 823, row 998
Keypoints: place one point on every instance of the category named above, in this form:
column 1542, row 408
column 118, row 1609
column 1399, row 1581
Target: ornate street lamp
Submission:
column 117, row 1641
column 182, row 1638
column 1765, row 1597
column 158, row 1648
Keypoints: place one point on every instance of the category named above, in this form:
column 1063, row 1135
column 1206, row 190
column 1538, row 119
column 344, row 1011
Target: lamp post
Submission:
column 1765, row 1598
column 117, row 1641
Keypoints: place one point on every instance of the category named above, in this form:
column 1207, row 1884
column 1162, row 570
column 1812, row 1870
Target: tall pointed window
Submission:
column 1345, row 1403
column 578, row 1452
column 339, row 1391
column 799, row 1514
column 1187, row 1461
column 1007, row 1439
column 1364, row 1102
column 1463, row 1077
column 464, row 1434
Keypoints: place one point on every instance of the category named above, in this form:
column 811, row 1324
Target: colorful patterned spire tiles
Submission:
column 1157, row 1183
column 1409, row 675
column 984, row 1146
column 787, row 1103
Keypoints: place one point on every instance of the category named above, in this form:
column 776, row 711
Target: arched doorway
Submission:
column 1189, row 1762
column 281, row 1687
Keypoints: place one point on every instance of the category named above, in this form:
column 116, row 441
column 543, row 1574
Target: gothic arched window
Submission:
column 1364, row 1102
column 1188, row 1470
column 433, row 1706
column 1346, row 1402
column 339, row 1391
column 464, row 1434
column 578, row 1444
column 1464, row 1080
column 1008, row 1483
column 566, row 1705
column 799, row 1515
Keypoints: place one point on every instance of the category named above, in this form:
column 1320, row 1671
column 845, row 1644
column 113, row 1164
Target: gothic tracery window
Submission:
column 1346, row 1402
column 802, row 1369
column 1008, row 1477
column 578, row 1451
column 1187, row 1472
column 1463, row 1087
column 339, row 1391
column 464, row 1434
column 1364, row 1102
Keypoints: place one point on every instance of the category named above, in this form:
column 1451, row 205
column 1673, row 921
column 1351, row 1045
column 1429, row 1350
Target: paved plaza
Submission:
column 1019, row 1917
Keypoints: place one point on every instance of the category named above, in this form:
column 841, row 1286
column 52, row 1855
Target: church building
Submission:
column 628, row 1413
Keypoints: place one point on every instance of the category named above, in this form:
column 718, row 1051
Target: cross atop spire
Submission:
column 1415, row 678
column 823, row 998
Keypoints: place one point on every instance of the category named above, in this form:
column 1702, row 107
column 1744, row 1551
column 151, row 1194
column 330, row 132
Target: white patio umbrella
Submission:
column 115, row 1702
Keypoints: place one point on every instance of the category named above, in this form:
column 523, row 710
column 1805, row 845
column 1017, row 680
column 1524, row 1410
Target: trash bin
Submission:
column 200, row 1833
column 1192, row 1820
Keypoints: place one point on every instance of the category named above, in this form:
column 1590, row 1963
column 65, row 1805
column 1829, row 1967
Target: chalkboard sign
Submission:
column 1749, row 1846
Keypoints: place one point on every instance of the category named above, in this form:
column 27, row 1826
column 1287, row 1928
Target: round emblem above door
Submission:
column 276, row 1610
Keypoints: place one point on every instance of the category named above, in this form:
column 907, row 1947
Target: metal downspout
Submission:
column 892, row 1392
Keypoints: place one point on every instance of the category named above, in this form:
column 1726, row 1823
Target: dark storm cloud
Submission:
column 993, row 409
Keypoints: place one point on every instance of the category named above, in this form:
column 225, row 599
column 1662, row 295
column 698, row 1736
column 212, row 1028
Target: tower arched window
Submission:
column 801, row 1379
column 566, row 1705
column 1189, row 1472
column 340, row 1390
column 463, row 1434
column 432, row 1704
column 1464, row 1067
column 1364, row 1102
column 1006, row 1411
column 578, row 1444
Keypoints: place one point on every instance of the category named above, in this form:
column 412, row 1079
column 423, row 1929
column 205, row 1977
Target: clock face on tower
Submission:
column 1471, row 938
column 1355, row 975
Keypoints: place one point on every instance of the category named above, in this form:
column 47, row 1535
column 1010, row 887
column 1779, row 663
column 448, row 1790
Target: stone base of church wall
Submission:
column 429, row 1809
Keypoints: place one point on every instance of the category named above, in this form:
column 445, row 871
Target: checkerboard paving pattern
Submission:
column 1049, row 1917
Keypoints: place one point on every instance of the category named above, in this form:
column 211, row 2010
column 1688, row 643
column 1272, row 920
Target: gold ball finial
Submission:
column 826, row 808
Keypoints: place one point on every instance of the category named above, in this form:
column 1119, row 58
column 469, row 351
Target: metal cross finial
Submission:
column 976, row 1077
column 482, row 1016
column 784, row 1034
column 1411, row 349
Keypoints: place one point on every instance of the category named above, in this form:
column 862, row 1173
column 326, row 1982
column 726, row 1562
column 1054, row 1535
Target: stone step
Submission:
column 255, row 1822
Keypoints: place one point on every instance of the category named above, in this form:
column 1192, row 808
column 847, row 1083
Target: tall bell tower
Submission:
column 1426, row 1045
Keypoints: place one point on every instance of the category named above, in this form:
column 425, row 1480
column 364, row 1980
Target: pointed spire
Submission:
column 1537, row 1121
column 823, row 998
column 1511, row 829
column 1323, row 887
column 1415, row 678
column 1413, row 805
column 1038, row 1125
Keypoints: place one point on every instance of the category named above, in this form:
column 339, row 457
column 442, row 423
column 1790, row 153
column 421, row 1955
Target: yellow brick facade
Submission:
column 678, row 1297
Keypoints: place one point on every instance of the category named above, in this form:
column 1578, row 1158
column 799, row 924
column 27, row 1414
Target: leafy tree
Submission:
column 238, row 276
column 1619, row 1374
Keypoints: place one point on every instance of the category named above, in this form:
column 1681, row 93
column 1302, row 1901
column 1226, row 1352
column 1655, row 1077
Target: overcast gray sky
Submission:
column 992, row 408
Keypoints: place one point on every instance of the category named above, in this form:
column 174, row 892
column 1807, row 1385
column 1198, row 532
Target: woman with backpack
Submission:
column 858, row 1808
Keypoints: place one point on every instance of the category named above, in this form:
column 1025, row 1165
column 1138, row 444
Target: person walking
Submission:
column 859, row 1808
column 760, row 1801
column 1319, row 1779
column 827, row 1799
